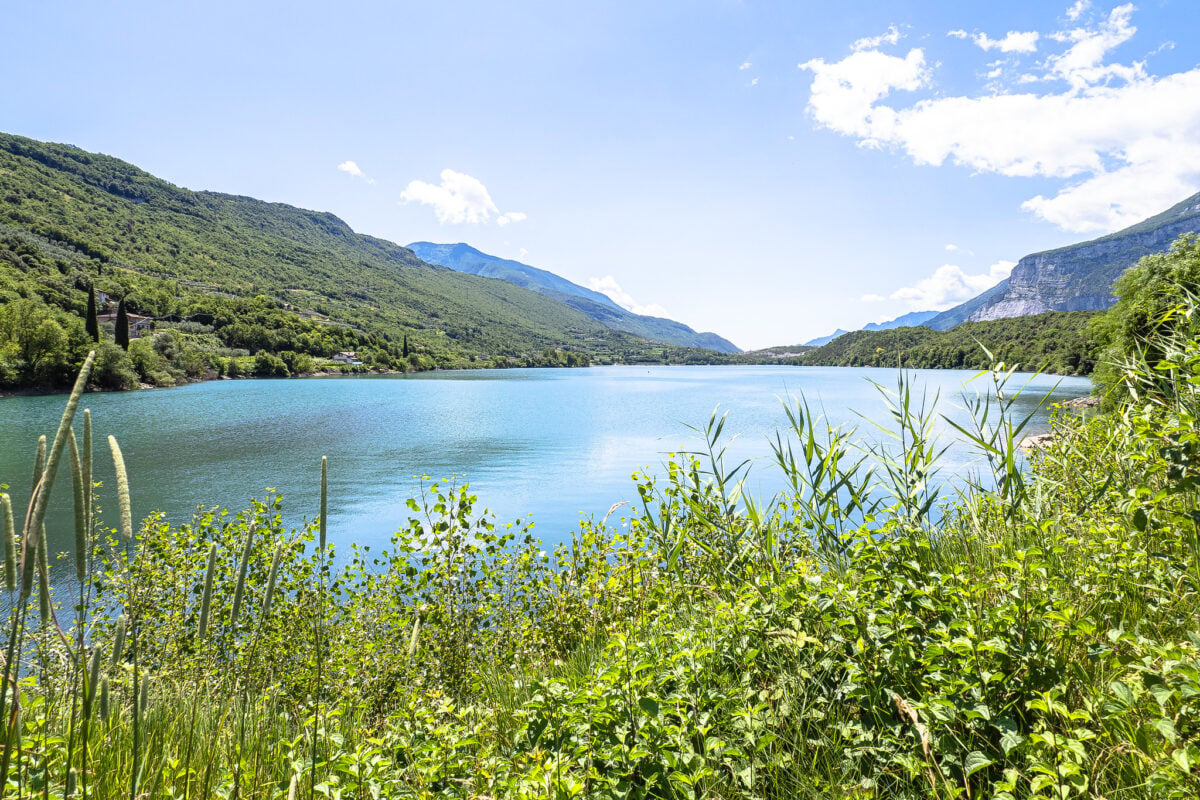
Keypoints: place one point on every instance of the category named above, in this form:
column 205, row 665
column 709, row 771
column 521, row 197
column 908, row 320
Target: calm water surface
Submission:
column 550, row 445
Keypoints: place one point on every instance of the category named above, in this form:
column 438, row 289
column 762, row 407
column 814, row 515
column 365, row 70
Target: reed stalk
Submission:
column 240, row 590
column 10, row 544
column 122, row 489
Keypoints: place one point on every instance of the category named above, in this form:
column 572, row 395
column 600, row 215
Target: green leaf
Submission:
column 1010, row 738
column 1167, row 729
column 976, row 761
column 649, row 705
column 1122, row 692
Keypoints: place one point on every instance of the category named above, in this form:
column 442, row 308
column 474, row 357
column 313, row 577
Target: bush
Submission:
column 114, row 369
column 267, row 365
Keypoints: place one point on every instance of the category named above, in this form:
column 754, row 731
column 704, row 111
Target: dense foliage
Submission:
column 870, row 632
column 1058, row 342
column 1147, row 312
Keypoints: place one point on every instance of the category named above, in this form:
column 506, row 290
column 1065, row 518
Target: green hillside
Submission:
column 1056, row 342
column 464, row 258
column 96, row 219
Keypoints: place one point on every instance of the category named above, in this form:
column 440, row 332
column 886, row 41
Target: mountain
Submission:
column 909, row 320
column 464, row 258
column 1078, row 277
column 821, row 341
column 169, row 247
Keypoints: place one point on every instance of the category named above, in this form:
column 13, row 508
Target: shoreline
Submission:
column 42, row 392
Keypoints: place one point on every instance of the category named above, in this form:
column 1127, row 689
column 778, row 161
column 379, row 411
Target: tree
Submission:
column 93, row 325
column 122, row 332
column 1149, row 297
column 30, row 337
column 405, row 351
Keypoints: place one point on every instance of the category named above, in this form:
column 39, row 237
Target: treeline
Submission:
column 193, row 334
column 1059, row 342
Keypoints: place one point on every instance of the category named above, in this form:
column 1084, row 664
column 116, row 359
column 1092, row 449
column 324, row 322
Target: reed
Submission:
column 118, row 647
column 81, row 511
column 206, row 599
column 243, row 568
column 86, row 465
column 10, row 543
column 122, row 489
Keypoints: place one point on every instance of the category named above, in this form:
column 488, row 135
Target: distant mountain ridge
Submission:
column 463, row 257
column 1078, row 277
column 909, row 320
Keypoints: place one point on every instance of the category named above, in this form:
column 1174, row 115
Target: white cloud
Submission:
column 458, row 198
column 352, row 169
column 1013, row 41
column 1127, row 143
column 745, row 66
column 754, row 81
column 1081, row 65
column 948, row 286
column 1076, row 11
column 845, row 93
column 892, row 36
column 608, row 285
column 511, row 216
column 522, row 253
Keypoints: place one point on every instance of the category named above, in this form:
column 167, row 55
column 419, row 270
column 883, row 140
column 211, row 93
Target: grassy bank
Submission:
column 870, row 632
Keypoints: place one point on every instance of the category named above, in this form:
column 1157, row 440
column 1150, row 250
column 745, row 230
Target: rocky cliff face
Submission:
column 1041, row 283
column 1079, row 277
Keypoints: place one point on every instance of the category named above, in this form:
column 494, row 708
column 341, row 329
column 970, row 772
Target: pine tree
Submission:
column 122, row 333
column 405, row 345
column 93, row 325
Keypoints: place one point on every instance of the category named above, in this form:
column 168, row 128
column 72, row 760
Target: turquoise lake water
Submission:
column 550, row 445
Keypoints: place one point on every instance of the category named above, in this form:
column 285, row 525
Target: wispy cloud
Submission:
column 458, row 198
column 745, row 66
column 1012, row 42
column 608, row 285
column 352, row 169
column 1126, row 143
column 1076, row 11
column 948, row 286
column 891, row 36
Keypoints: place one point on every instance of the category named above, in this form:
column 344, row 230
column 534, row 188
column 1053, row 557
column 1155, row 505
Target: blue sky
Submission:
column 766, row 170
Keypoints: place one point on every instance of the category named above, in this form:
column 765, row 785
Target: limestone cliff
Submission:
column 1078, row 277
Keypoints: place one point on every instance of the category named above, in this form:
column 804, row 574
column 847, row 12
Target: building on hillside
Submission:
column 347, row 357
column 138, row 325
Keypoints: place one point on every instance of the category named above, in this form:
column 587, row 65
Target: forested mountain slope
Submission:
column 464, row 258
column 126, row 222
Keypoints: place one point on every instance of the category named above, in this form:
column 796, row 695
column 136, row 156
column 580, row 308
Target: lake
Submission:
column 545, row 444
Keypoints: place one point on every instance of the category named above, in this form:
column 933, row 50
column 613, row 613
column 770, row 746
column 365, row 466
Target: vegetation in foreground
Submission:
column 1036, row 638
